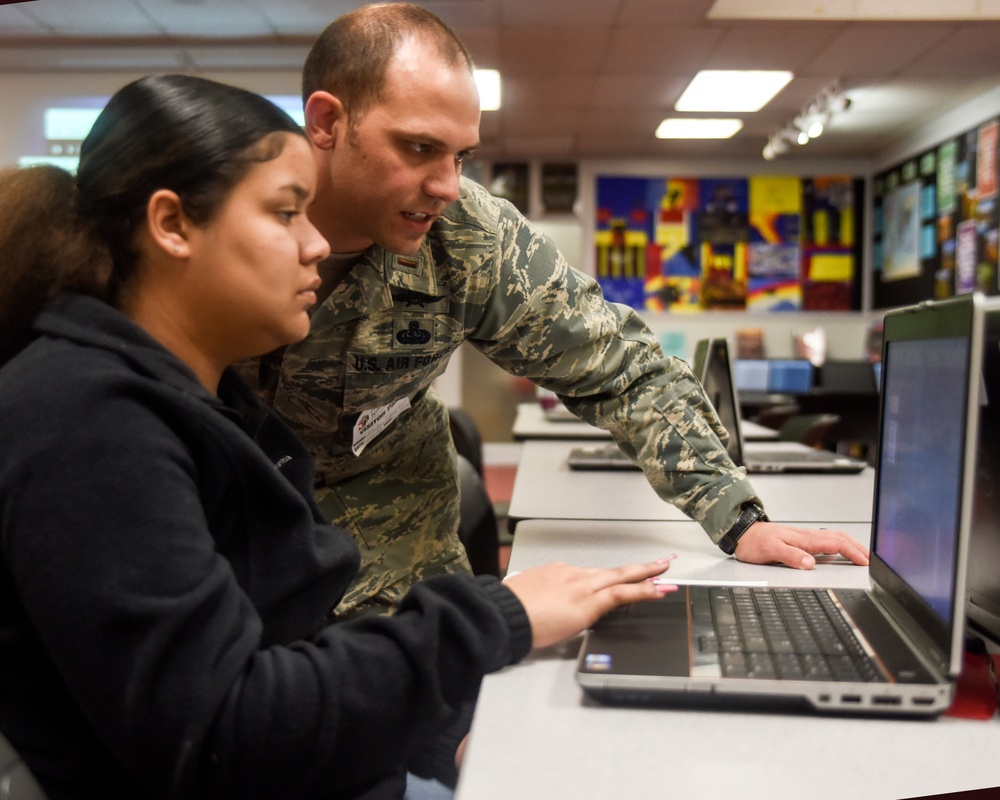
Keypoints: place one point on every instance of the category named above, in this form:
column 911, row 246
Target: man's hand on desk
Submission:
column 770, row 542
column 562, row 600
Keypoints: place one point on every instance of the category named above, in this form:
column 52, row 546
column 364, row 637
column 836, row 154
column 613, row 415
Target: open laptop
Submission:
column 895, row 648
column 983, row 581
column 713, row 367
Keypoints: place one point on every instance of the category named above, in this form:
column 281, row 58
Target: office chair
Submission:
column 477, row 527
column 814, row 430
column 16, row 780
column 468, row 440
column 775, row 416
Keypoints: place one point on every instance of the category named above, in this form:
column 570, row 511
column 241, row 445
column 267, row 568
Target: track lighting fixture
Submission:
column 809, row 123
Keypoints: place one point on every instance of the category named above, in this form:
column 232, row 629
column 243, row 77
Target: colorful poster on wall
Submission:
column 621, row 238
column 723, row 229
column 955, row 249
column 946, row 178
column 901, row 232
column 828, row 243
column 774, row 266
column 986, row 161
column 676, row 285
column 726, row 243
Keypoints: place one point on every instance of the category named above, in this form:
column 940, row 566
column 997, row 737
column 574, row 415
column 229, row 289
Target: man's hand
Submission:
column 562, row 600
column 769, row 543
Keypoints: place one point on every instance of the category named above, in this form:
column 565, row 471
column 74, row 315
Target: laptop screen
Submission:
column 927, row 449
column 713, row 368
column 922, row 452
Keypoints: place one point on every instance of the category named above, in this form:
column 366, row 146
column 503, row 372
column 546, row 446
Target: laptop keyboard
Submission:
column 778, row 633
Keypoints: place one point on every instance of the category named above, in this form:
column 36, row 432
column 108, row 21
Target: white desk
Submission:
column 531, row 423
column 535, row 735
column 545, row 488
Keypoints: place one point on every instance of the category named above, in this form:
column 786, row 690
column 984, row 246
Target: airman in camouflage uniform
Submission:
column 485, row 276
column 391, row 110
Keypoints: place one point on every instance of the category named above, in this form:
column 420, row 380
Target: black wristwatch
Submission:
column 749, row 514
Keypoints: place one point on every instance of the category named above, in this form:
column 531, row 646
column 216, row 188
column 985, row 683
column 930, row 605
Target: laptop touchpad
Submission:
column 647, row 640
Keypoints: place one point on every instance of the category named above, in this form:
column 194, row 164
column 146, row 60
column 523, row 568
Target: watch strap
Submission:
column 749, row 514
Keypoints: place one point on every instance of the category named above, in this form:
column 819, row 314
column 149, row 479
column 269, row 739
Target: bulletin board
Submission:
column 934, row 231
column 765, row 243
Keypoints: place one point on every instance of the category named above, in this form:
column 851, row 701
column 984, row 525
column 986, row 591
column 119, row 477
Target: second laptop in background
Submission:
column 713, row 367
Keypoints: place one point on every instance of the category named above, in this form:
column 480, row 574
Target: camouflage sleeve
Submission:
column 550, row 323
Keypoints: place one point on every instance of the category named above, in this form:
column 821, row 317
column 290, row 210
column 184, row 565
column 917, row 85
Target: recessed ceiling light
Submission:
column 732, row 90
column 686, row 128
column 488, row 83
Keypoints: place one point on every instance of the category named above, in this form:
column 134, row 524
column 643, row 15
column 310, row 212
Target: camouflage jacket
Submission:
column 484, row 276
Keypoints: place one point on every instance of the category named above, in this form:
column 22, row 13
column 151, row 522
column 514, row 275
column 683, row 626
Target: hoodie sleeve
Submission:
column 162, row 649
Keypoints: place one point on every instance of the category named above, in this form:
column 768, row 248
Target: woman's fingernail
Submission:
column 667, row 588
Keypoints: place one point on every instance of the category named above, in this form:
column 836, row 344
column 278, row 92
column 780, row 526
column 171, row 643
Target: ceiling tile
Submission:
column 972, row 50
column 658, row 50
column 874, row 50
column 528, row 14
column 616, row 92
column 206, row 18
column 261, row 57
column 551, row 52
column 590, row 75
column 301, row 17
column 639, row 13
column 78, row 19
column 536, row 95
column 780, row 46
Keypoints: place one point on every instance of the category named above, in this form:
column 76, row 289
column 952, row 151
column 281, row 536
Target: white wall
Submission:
column 25, row 96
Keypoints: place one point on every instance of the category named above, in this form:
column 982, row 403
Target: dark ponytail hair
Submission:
column 190, row 135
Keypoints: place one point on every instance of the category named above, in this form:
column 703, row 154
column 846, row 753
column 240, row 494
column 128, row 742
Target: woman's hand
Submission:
column 562, row 600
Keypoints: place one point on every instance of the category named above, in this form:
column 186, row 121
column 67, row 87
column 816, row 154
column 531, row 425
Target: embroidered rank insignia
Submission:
column 409, row 297
column 413, row 335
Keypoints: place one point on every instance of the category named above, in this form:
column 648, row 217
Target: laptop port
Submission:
column 923, row 701
column 850, row 698
column 887, row 701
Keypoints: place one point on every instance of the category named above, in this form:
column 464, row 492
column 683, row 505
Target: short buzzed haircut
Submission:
column 351, row 57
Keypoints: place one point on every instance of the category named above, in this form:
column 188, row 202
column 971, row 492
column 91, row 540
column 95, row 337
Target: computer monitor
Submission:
column 983, row 582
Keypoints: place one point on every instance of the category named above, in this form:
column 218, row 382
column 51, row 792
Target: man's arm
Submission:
column 551, row 324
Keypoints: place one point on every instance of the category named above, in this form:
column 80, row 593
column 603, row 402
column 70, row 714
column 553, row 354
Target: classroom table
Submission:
column 546, row 488
column 531, row 422
column 536, row 735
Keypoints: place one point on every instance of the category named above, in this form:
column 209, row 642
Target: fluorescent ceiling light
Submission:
column 676, row 128
column 732, row 90
column 488, row 83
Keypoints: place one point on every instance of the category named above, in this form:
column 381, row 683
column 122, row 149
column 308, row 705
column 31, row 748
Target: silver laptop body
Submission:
column 909, row 623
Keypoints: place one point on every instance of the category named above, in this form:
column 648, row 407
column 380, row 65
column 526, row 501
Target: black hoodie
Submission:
column 165, row 584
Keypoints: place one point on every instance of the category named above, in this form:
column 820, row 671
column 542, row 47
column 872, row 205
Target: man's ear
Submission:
column 168, row 225
column 324, row 113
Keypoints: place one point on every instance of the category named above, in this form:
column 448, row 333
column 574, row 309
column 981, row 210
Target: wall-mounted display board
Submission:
column 936, row 216
column 765, row 243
